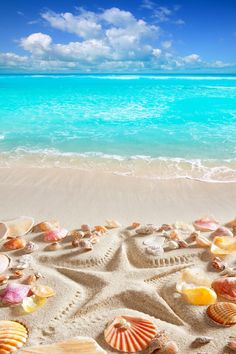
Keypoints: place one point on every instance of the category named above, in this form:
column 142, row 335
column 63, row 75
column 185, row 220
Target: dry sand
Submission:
column 117, row 277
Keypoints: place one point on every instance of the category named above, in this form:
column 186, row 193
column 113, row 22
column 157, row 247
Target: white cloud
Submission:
column 192, row 58
column 166, row 44
column 36, row 43
column 156, row 52
column 118, row 17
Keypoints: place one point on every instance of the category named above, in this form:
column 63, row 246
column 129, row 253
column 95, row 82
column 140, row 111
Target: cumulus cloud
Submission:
column 36, row 43
column 192, row 58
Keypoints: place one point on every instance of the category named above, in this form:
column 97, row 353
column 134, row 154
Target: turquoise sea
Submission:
column 157, row 126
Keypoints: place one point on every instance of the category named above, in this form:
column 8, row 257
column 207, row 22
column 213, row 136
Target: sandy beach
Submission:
column 117, row 277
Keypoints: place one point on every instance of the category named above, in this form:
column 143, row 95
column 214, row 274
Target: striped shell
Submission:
column 225, row 287
column 223, row 313
column 55, row 235
column 129, row 334
column 13, row 336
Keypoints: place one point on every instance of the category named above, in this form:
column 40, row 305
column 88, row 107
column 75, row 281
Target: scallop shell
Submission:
column 129, row 334
column 42, row 291
column 206, row 224
column 19, row 226
column 55, row 235
column 225, row 287
column 78, row 345
column 3, row 231
column 4, row 263
column 223, row 245
column 46, row 226
column 13, row 335
column 223, row 313
column 15, row 244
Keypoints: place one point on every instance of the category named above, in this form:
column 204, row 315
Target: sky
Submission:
column 100, row 36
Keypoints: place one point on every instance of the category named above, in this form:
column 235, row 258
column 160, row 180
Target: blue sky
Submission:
column 118, row 36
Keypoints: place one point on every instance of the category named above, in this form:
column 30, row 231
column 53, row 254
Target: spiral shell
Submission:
column 225, row 287
column 129, row 334
column 13, row 335
column 223, row 313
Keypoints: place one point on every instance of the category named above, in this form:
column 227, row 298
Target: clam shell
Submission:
column 13, row 335
column 225, row 287
column 14, row 244
column 4, row 263
column 129, row 334
column 42, row 291
column 223, row 245
column 79, row 345
column 55, row 235
column 19, row 226
column 206, row 224
column 46, row 226
column 3, row 231
column 223, row 313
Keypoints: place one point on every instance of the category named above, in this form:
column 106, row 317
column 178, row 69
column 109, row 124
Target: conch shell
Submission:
column 13, row 335
column 206, row 224
column 223, row 313
column 55, row 235
column 223, row 245
column 196, row 287
column 129, row 334
column 19, row 226
column 225, row 287
column 14, row 293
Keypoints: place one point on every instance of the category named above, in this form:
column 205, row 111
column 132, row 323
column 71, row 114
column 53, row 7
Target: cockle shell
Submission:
column 14, row 244
column 30, row 247
column 4, row 263
column 225, row 287
column 223, row 313
column 33, row 303
column 19, row 226
column 46, row 226
column 42, row 291
column 112, row 224
column 3, row 231
column 223, row 245
column 196, row 287
column 55, row 235
column 206, row 224
column 129, row 334
column 78, row 345
column 202, row 241
column 13, row 335
column 14, row 293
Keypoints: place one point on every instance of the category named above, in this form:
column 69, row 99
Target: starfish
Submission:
column 123, row 284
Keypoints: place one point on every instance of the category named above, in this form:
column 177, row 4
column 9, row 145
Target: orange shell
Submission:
column 15, row 244
column 223, row 313
column 13, row 336
column 129, row 334
column 46, row 226
column 225, row 287
column 100, row 228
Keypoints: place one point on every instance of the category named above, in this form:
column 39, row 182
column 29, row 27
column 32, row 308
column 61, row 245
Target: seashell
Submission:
column 55, row 235
column 223, row 245
column 86, row 245
column 218, row 264
column 14, row 293
column 4, row 279
column 133, row 226
column 112, row 224
column 195, row 287
column 201, row 341
column 76, row 234
column 19, row 226
column 203, row 242
column 232, row 345
column 231, row 223
column 3, row 231
column 182, row 244
column 206, row 224
column 55, row 246
column 33, row 303
column 15, row 244
column 194, row 235
column 4, row 263
column 171, row 245
column 30, row 247
column 31, row 279
column 225, row 287
column 46, row 226
column 173, row 235
column 17, row 274
column 42, row 291
column 13, row 335
column 158, row 342
column 78, row 345
column 85, row 228
column 223, row 313
column 145, row 230
column 100, row 228
column 165, row 227
column 222, row 231
column 170, row 348
column 75, row 242
column 129, row 334
column 155, row 250
column 229, row 272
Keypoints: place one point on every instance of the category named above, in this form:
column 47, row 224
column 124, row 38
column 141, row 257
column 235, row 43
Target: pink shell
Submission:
column 225, row 287
column 14, row 293
column 55, row 235
column 206, row 224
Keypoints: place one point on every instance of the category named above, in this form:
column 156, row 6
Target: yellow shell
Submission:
column 223, row 245
column 129, row 334
column 200, row 296
column 78, row 345
column 13, row 336
column 33, row 303
column 42, row 291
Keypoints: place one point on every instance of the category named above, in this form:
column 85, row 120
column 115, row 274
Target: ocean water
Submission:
column 146, row 125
